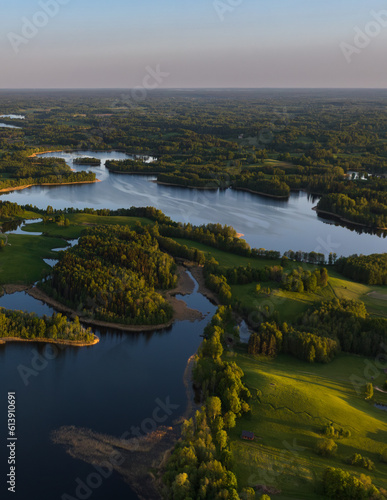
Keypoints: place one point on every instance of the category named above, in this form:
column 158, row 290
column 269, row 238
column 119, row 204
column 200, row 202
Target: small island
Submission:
column 18, row 326
column 89, row 161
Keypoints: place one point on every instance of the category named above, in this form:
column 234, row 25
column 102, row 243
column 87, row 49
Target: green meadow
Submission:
column 292, row 402
column 79, row 222
column 291, row 304
column 21, row 260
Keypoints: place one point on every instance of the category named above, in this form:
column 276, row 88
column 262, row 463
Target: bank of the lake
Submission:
column 20, row 188
column 346, row 221
column 74, row 343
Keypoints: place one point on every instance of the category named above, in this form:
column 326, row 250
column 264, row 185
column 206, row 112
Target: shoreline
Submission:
column 20, row 188
column 267, row 195
column 343, row 219
column 188, row 187
column 34, row 155
column 45, row 340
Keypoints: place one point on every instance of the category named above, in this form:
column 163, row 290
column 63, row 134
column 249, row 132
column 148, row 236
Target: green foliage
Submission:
column 369, row 269
column 30, row 326
column 335, row 432
column 339, row 484
column 113, row 274
column 357, row 460
column 326, row 447
column 369, row 392
column 347, row 322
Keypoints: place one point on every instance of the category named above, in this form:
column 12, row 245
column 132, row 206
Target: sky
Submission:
column 196, row 43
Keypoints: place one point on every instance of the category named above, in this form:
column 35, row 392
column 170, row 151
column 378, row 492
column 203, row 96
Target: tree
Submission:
column 369, row 393
column 326, row 447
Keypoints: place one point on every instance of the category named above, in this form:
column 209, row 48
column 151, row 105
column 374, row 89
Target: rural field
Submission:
column 291, row 304
column 292, row 402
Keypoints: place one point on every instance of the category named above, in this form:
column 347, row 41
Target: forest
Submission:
column 370, row 269
column 327, row 145
column 29, row 326
column 112, row 275
column 16, row 169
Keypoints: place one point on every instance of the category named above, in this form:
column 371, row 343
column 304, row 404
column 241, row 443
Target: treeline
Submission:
column 323, row 331
column 369, row 269
column 340, row 484
column 347, row 322
column 21, row 171
column 257, row 182
column 113, row 274
column 137, row 167
column 10, row 210
column 30, row 326
column 214, row 235
column 94, row 162
column 200, row 464
column 271, row 340
column 357, row 207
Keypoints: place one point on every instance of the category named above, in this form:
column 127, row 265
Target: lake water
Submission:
column 265, row 223
column 12, row 117
column 108, row 388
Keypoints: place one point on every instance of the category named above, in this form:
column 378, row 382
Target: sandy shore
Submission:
column 197, row 273
column 19, row 188
column 34, row 155
column 74, row 343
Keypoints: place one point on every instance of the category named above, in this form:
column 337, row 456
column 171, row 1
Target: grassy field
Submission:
column 26, row 214
column 293, row 403
column 79, row 222
column 227, row 259
column 21, row 261
column 292, row 304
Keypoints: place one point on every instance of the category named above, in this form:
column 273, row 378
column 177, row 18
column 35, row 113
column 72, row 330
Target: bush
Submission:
column 359, row 461
column 326, row 447
column 383, row 456
column 331, row 431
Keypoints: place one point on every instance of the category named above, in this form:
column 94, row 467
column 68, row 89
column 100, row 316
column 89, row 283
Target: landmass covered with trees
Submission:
column 252, row 140
column 115, row 275
column 29, row 326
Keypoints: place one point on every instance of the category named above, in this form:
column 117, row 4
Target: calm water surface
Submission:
column 107, row 388
column 266, row 223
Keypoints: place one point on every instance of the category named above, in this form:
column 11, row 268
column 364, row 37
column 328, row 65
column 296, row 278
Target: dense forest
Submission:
column 113, row 274
column 18, row 170
column 327, row 144
column 30, row 326
column 93, row 162
column 199, row 466
column 369, row 269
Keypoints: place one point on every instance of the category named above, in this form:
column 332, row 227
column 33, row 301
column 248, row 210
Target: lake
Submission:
column 265, row 222
column 12, row 117
column 108, row 388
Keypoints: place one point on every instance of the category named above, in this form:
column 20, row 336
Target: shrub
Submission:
column 359, row 461
column 326, row 447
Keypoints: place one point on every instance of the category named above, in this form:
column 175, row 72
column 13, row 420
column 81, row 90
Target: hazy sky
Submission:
column 195, row 43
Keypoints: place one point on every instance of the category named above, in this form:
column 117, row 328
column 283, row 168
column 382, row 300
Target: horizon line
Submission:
column 190, row 88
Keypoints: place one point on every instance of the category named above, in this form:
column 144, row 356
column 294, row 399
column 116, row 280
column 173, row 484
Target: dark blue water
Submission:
column 265, row 223
column 108, row 388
